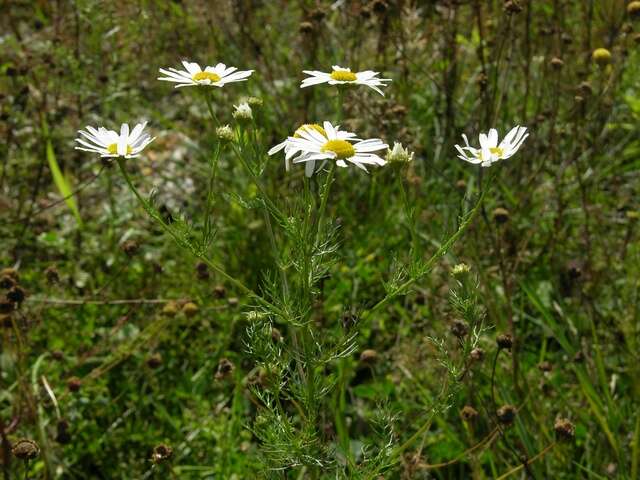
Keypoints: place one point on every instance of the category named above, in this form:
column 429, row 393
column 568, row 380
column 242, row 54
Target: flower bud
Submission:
column 556, row 63
column 170, row 309
column 242, row 112
column 601, row 56
column 460, row 269
column 190, row 309
column 504, row 341
column 74, row 384
column 501, row 215
column 398, row 154
column 225, row 133
column 506, row 414
column 369, row 356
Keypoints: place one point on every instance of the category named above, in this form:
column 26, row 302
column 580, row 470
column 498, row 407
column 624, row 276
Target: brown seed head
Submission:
column 633, row 9
column 556, row 63
column 7, row 282
column 74, row 384
column 506, row 414
column 504, row 341
column 25, row 449
column 501, row 215
column 225, row 369
column 477, row 354
column 161, row 453
column 565, row 430
column 154, row 360
column 369, row 356
column 468, row 413
column 306, row 28
column 130, row 248
column 459, row 328
column 585, row 88
column 202, row 271
column 190, row 309
column 219, row 291
column 17, row 294
column 512, row 6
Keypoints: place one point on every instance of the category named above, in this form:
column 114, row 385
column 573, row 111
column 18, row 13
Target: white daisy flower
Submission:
column 291, row 151
column 217, row 76
column 108, row 143
column 333, row 146
column 489, row 151
column 341, row 76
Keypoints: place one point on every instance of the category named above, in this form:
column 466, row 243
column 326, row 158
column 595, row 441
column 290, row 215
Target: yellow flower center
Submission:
column 113, row 149
column 310, row 126
column 341, row 148
column 212, row 77
column 343, row 76
column 494, row 151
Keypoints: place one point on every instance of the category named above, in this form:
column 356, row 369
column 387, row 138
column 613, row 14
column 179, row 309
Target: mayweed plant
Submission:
column 294, row 370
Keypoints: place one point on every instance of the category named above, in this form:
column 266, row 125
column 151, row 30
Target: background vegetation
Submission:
column 125, row 346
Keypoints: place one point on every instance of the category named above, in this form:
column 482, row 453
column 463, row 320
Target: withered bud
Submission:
column 10, row 272
column 225, row 369
column 161, row 453
column 170, row 309
column 556, row 63
column 17, row 294
column 190, row 309
column 459, row 328
column 25, row 449
column 154, row 360
column 62, row 432
column 306, row 27
column 369, row 356
column 506, row 414
column 512, row 6
column 219, row 291
column 565, row 430
column 130, row 248
column 504, row 341
column 233, row 302
column 585, row 88
column 468, row 413
column 501, row 215
column 7, row 282
column 545, row 366
column 477, row 354
column 202, row 271
column 74, row 384
column 51, row 274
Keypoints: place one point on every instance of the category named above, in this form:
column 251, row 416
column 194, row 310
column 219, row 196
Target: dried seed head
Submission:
column 468, row 413
column 225, row 369
column 477, row 354
column 25, row 449
column 7, row 282
column 545, row 366
column 202, row 270
column 601, row 56
column 170, row 309
column 161, row 453
column 219, row 291
column 565, row 430
column 233, row 302
column 130, row 248
column 52, row 275
column 501, row 215
column 504, row 341
column 306, row 27
column 369, row 356
column 62, row 432
column 512, row 6
column 10, row 272
column 506, row 414
column 190, row 309
column 74, row 384
column 585, row 88
column 459, row 329
column 633, row 9
column 154, row 361
column 556, row 63
column 17, row 294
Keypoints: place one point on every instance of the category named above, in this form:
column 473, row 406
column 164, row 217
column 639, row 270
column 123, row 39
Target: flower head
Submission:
column 291, row 150
column 242, row 112
column 342, row 76
column 194, row 75
column 108, row 143
column 335, row 145
column 398, row 154
column 490, row 151
column 225, row 133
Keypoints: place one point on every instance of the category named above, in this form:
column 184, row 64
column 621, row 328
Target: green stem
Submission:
column 323, row 200
column 234, row 281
